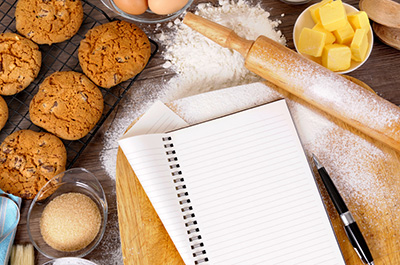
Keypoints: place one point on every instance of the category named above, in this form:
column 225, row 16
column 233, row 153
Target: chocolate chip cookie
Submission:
column 3, row 113
column 20, row 61
column 48, row 21
column 28, row 160
column 114, row 52
column 67, row 104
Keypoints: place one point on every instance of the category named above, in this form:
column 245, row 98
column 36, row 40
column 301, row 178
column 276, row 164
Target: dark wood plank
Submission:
column 381, row 72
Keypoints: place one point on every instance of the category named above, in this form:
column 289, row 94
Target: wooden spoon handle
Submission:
column 223, row 36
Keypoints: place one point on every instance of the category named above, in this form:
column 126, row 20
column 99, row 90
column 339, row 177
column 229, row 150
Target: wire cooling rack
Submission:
column 59, row 57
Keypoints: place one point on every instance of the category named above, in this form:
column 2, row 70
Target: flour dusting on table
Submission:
column 200, row 64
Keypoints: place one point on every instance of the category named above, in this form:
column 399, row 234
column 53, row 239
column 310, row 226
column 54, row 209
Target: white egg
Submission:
column 133, row 7
column 164, row 7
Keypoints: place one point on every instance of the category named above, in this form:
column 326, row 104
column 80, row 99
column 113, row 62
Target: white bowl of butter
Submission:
column 305, row 21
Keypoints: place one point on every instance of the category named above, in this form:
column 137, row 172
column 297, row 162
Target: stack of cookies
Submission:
column 68, row 104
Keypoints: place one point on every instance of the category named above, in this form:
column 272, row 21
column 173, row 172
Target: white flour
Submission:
column 200, row 64
column 203, row 65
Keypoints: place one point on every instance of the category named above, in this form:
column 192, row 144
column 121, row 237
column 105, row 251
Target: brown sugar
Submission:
column 70, row 222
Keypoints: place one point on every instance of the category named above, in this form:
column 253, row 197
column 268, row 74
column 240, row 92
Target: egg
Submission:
column 133, row 7
column 165, row 7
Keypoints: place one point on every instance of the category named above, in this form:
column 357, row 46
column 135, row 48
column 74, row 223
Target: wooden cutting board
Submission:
column 145, row 241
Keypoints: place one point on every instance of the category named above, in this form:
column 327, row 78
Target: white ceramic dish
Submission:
column 69, row 261
column 305, row 21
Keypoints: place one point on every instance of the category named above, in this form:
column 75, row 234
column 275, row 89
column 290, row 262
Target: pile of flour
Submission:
column 199, row 64
column 203, row 65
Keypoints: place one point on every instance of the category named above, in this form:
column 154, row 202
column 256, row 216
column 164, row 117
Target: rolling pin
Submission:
column 322, row 88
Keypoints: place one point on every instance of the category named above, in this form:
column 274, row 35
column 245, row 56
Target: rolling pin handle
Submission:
column 223, row 36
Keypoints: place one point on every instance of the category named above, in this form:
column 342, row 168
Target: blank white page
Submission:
column 253, row 192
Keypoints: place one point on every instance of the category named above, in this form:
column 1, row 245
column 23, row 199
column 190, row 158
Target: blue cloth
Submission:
column 7, row 221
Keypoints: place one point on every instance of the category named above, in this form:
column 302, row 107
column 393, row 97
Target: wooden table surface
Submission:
column 381, row 72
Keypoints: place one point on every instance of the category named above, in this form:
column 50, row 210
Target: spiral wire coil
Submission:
column 189, row 216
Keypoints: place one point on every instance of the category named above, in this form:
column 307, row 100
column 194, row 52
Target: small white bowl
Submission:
column 305, row 21
column 69, row 261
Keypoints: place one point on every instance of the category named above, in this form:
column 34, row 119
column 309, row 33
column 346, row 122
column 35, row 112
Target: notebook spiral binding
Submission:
column 188, row 215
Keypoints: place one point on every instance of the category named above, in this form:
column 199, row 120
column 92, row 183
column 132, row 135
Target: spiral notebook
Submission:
column 233, row 190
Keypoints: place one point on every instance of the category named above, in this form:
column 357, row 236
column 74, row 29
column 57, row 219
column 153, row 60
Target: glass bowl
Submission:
column 146, row 17
column 77, row 180
column 305, row 21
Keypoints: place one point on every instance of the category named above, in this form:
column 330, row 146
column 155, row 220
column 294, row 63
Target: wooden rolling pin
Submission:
column 326, row 90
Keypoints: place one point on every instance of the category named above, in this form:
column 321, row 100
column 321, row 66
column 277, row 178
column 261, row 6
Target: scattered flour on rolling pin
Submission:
column 200, row 64
column 352, row 104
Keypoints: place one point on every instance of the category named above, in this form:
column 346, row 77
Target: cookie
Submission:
column 48, row 21
column 20, row 61
column 67, row 104
column 28, row 160
column 3, row 113
column 114, row 52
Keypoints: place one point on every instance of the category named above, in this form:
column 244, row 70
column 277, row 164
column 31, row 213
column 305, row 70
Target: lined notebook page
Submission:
column 146, row 155
column 249, row 183
column 253, row 192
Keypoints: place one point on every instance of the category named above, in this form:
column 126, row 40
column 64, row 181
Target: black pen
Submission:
column 350, row 226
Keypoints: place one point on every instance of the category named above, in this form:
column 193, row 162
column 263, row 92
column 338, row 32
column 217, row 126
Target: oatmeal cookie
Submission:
column 20, row 61
column 67, row 104
column 28, row 160
column 3, row 113
column 48, row 21
column 114, row 52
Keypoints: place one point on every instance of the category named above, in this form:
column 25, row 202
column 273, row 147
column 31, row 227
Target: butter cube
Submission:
column 330, row 38
column 336, row 57
column 311, row 42
column 333, row 15
column 359, row 20
column 345, row 34
column 314, row 10
column 359, row 45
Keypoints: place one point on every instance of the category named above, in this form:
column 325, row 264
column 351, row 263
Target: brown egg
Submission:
column 164, row 7
column 133, row 7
